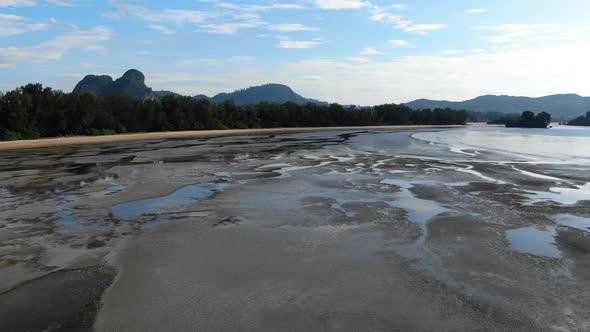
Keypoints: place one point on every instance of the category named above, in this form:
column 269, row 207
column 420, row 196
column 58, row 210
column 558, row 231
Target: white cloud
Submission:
column 171, row 16
column 32, row 3
column 62, row 3
column 392, row 19
column 400, row 23
column 229, row 28
column 56, row 48
column 512, row 71
column 370, row 51
column 452, row 52
column 254, row 8
column 535, row 33
column 162, row 29
column 291, row 27
column 298, row 43
column 342, row 4
column 17, row 3
column 358, row 59
column 424, row 28
column 227, row 21
column 399, row 43
column 399, row 6
column 477, row 11
column 241, row 59
column 11, row 25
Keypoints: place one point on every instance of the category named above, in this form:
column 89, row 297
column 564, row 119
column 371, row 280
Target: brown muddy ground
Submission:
column 333, row 231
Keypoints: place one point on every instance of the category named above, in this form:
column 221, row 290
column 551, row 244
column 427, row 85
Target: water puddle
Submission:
column 537, row 175
column 340, row 203
column 576, row 222
column 66, row 199
column 540, row 241
column 420, row 211
column 181, row 197
column 470, row 170
column 534, row 240
column 284, row 170
column 461, row 150
column 116, row 188
column 68, row 221
column 565, row 196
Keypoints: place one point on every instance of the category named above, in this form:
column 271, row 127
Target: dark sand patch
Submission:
column 60, row 301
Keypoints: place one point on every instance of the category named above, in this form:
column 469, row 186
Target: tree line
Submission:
column 581, row 121
column 34, row 111
column 491, row 117
column 530, row 120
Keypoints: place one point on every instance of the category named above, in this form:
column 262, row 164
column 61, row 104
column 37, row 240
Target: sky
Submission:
column 362, row 52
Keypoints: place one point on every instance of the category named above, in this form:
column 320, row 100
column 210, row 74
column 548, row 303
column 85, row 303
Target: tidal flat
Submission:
column 355, row 230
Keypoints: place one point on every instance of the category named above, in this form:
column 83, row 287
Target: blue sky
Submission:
column 348, row 51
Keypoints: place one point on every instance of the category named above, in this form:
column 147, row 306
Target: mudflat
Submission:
column 82, row 140
column 340, row 230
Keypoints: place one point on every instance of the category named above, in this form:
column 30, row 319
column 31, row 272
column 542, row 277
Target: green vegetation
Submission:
column 529, row 120
column 581, row 121
column 491, row 117
column 33, row 111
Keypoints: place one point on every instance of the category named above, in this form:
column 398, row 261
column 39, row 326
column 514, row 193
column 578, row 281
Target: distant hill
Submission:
column 132, row 83
column 273, row 93
column 564, row 106
column 164, row 93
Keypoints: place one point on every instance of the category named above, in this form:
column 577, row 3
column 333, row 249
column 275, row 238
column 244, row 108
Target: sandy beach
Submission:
column 82, row 140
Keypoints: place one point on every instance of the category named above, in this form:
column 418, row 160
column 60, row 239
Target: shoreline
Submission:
column 86, row 140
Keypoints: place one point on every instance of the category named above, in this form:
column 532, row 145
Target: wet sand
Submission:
column 316, row 231
column 65, row 300
column 82, row 140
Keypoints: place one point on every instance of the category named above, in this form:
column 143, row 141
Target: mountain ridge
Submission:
column 270, row 92
column 568, row 105
column 133, row 84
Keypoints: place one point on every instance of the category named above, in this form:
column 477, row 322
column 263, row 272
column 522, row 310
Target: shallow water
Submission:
column 419, row 211
column 566, row 196
column 181, row 197
column 116, row 188
column 576, row 222
column 68, row 222
column 534, row 240
column 559, row 144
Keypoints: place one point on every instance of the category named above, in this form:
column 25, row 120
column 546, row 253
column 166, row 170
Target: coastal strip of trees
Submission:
column 491, row 117
column 530, row 120
column 581, row 121
column 34, row 111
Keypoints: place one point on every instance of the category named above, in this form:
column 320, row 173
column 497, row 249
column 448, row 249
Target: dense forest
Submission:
column 491, row 117
column 581, row 121
column 33, row 111
column 530, row 120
